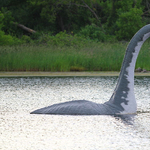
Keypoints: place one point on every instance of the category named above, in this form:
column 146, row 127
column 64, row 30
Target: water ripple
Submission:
column 20, row 130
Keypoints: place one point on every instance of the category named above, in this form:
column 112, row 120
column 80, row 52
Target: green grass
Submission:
column 92, row 57
column 143, row 60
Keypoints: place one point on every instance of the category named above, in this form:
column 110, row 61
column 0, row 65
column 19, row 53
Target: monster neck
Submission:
column 123, row 95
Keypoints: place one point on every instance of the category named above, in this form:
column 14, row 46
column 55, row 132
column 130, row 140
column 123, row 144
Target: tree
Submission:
column 67, row 15
column 146, row 11
column 129, row 23
column 129, row 18
column 111, row 17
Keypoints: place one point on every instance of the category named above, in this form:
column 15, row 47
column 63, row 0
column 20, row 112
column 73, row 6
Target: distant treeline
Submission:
column 25, row 21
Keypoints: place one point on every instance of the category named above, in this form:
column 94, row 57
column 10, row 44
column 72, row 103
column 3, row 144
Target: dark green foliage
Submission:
column 92, row 19
column 129, row 23
column 7, row 21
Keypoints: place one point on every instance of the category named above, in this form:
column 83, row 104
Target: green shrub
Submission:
column 93, row 32
column 26, row 39
column 63, row 39
column 6, row 39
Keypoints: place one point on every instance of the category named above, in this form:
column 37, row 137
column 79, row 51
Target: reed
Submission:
column 92, row 57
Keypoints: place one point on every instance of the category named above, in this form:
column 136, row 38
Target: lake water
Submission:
column 19, row 130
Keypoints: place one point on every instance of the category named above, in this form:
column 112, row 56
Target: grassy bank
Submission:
column 92, row 57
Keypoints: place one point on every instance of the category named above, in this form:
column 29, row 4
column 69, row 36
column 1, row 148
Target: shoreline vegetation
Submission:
column 70, row 36
column 77, row 56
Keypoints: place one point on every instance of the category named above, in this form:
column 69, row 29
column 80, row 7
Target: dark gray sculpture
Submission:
column 122, row 100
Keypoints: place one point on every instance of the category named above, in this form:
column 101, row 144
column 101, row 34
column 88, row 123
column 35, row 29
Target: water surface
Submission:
column 20, row 130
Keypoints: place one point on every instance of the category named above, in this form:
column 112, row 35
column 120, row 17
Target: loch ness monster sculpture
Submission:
column 122, row 100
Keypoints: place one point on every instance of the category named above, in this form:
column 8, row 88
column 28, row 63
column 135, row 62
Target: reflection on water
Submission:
column 23, row 131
